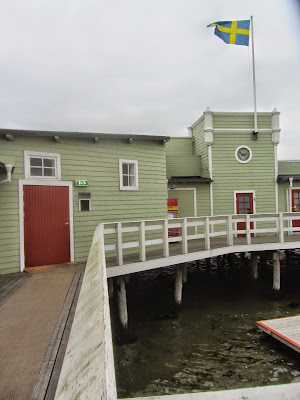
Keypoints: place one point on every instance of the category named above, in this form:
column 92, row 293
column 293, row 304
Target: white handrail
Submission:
column 204, row 227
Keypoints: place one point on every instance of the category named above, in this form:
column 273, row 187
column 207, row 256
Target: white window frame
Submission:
column 136, row 186
column 90, row 204
column 37, row 154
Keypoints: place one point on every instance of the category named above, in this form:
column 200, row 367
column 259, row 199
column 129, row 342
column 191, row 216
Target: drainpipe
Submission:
column 9, row 168
column 288, row 201
column 290, row 194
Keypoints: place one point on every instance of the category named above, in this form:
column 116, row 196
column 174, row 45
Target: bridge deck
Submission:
column 286, row 330
column 197, row 251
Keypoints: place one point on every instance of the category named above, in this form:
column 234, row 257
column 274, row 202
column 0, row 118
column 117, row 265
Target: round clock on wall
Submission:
column 243, row 154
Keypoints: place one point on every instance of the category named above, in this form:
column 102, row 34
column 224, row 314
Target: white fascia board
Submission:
column 289, row 161
column 197, row 122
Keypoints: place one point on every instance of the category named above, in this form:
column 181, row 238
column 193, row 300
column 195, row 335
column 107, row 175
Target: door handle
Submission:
column 67, row 223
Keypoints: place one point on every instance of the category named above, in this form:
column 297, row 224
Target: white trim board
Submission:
column 41, row 182
column 254, row 203
column 244, row 191
column 195, row 197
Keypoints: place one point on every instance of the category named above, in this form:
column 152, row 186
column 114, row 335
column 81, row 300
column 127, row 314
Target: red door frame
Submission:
column 243, row 208
column 295, row 205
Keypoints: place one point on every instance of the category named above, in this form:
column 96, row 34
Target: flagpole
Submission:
column 254, row 82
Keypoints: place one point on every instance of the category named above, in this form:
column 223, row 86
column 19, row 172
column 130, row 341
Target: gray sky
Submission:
column 145, row 66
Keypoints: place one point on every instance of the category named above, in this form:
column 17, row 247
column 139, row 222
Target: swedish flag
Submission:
column 233, row 32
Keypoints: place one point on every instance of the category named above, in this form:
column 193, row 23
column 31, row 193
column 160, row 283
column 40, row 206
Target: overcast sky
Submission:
column 145, row 66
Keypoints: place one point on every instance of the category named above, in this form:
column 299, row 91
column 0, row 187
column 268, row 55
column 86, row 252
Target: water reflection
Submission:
column 211, row 342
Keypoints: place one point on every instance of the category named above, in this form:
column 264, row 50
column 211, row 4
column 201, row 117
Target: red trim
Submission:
column 278, row 334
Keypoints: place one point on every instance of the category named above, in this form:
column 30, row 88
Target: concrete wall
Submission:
column 88, row 367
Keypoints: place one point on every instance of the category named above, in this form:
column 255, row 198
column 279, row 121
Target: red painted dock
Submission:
column 286, row 330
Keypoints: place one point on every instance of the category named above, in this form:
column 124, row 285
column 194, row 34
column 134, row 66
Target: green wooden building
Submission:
column 224, row 168
column 63, row 184
column 56, row 187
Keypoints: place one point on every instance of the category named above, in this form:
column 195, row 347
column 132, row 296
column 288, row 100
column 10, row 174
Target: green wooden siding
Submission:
column 229, row 175
column 183, row 166
column 201, row 147
column 180, row 146
column 186, row 206
column 241, row 121
column 99, row 164
column 181, row 160
column 288, row 167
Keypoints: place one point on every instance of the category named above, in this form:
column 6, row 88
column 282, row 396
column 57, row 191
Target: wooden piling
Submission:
column 207, row 261
column 254, row 265
column 276, row 270
column 219, row 261
column 184, row 273
column 122, row 302
column 288, row 257
column 178, row 284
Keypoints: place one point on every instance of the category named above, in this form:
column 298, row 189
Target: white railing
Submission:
column 204, row 229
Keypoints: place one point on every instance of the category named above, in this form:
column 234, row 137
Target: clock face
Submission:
column 243, row 154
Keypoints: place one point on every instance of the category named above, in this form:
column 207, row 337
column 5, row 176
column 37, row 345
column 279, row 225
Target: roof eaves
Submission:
column 189, row 179
column 285, row 178
column 21, row 132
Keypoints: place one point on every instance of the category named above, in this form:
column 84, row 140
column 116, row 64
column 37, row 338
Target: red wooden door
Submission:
column 46, row 225
column 296, row 204
column 244, row 205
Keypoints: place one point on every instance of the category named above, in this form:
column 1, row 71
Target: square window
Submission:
column 128, row 170
column 42, row 165
column 84, row 205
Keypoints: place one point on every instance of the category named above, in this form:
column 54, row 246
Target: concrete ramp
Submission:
column 27, row 322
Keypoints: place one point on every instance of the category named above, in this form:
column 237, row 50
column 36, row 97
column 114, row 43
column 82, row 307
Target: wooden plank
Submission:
column 286, row 330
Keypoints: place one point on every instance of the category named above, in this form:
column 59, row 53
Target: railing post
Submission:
column 248, row 233
column 165, row 238
column 281, row 231
column 207, row 236
column 184, row 236
column 142, row 241
column 119, row 243
column 229, row 231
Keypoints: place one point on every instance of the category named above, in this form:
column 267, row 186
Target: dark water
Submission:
column 211, row 342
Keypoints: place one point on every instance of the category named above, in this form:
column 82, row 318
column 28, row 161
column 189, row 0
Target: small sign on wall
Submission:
column 81, row 182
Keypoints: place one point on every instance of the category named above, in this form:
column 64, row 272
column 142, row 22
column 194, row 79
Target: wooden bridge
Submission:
column 199, row 238
column 88, row 368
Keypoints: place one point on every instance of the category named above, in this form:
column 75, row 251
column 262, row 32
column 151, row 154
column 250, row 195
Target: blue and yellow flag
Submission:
column 233, row 32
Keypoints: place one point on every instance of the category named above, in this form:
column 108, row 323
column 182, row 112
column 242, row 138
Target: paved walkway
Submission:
column 35, row 317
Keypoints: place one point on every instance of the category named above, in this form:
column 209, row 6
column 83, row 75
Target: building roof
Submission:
column 11, row 133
